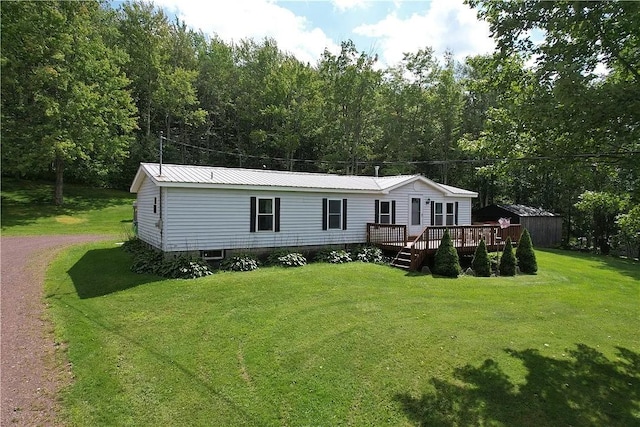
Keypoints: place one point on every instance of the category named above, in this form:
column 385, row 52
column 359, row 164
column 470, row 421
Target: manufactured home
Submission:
column 215, row 210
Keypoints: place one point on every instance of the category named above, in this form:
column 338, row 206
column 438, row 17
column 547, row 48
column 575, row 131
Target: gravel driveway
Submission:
column 30, row 374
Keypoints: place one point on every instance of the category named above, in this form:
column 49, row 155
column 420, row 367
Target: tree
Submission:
column 525, row 254
column 507, row 266
column 481, row 264
column 629, row 234
column 64, row 97
column 446, row 261
column 600, row 210
column 349, row 84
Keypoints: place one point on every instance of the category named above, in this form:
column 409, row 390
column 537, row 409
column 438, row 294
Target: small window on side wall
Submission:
column 265, row 214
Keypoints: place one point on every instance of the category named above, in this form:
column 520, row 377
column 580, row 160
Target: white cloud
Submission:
column 343, row 5
column 446, row 25
column 242, row 19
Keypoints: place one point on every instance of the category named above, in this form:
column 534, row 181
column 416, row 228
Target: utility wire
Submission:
column 608, row 155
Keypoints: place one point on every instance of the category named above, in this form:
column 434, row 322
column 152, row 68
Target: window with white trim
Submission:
column 451, row 216
column 335, row 214
column 265, row 214
column 438, row 217
column 385, row 212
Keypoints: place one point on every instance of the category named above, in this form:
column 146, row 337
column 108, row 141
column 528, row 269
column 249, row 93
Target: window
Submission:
column 212, row 254
column 335, row 213
column 450, row 214
column 438, row 219
column 265, row 214
column 385, row 212
column 445, row 217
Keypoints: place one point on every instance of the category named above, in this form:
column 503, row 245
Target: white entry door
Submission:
column 416, row 210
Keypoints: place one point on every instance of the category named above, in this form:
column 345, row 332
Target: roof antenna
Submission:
column 377, row 168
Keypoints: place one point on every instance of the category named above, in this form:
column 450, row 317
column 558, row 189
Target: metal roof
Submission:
column 522, row 210
column 220, row 177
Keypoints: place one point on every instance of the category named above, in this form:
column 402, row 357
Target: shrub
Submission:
column 525, row 254
column 184, row 267
column 369, row 254
column 149, row 261
column 239, row 263
column 134, row 245
column 446, row 261
column 480, row 264
column 272, row 258
column 334, row 257
column 507, row 265
column 293, row 259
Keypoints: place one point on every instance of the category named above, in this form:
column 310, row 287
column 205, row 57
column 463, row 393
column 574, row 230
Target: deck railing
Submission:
column 387, row 235
column 465, row 239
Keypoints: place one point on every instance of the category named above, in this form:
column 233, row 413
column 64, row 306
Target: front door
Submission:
column 415, row 214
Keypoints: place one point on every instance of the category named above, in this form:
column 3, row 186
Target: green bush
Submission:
column 369, row 254
column 446, row 261
column 334, row 257
column 293, row 259
column 507, row 265
column 244, row 262
column 150, row 261
column 480, row 264
column 525, row 254
column 134, row 245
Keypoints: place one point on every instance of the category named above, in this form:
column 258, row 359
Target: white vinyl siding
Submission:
column 203, row 219
column 148, row 213
column 199, row 219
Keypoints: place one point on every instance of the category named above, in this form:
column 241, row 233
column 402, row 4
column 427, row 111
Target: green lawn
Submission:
column 352, row 344
column 27, row 210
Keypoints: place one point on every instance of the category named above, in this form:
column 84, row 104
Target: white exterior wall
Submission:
column 402, row 196
column 147, row 220
column 209, row 219
column 200, row 219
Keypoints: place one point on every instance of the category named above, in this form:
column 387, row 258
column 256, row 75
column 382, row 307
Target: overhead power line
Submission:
column 608, row 156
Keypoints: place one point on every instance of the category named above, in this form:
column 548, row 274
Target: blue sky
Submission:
column 306, row 28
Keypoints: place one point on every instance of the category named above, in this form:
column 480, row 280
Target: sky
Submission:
column 305, row 28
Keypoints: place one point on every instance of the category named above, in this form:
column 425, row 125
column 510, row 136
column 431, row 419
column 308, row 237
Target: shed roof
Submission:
column 220, row 177
column 522, row 210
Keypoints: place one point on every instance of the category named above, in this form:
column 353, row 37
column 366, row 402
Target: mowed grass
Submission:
column 352, row 344
column 27, row 209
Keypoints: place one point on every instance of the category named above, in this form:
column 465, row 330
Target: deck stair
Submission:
column 403, row 259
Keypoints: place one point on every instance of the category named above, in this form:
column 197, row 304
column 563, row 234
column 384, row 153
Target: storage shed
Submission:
column 545, row 227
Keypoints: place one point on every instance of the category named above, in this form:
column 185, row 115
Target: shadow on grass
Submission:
column 104, row 271
column 585, row 389
column 25, row 202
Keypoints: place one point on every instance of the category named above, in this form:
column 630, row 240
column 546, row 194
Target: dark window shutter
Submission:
column 276, row 216
column 253, row 210
column 344, row 214
column 325, row 209
column 455, row 221
column 377, row 215
column 433, row 211
column 393, row 212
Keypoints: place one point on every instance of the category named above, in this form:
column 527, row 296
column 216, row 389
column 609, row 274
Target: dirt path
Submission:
column 29, row 374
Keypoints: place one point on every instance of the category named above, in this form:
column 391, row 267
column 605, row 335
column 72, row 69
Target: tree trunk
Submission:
column 58, row 197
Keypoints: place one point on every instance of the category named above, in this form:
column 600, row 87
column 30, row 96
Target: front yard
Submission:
column 353, row 344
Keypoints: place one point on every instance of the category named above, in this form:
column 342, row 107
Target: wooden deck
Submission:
column 465, row 239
